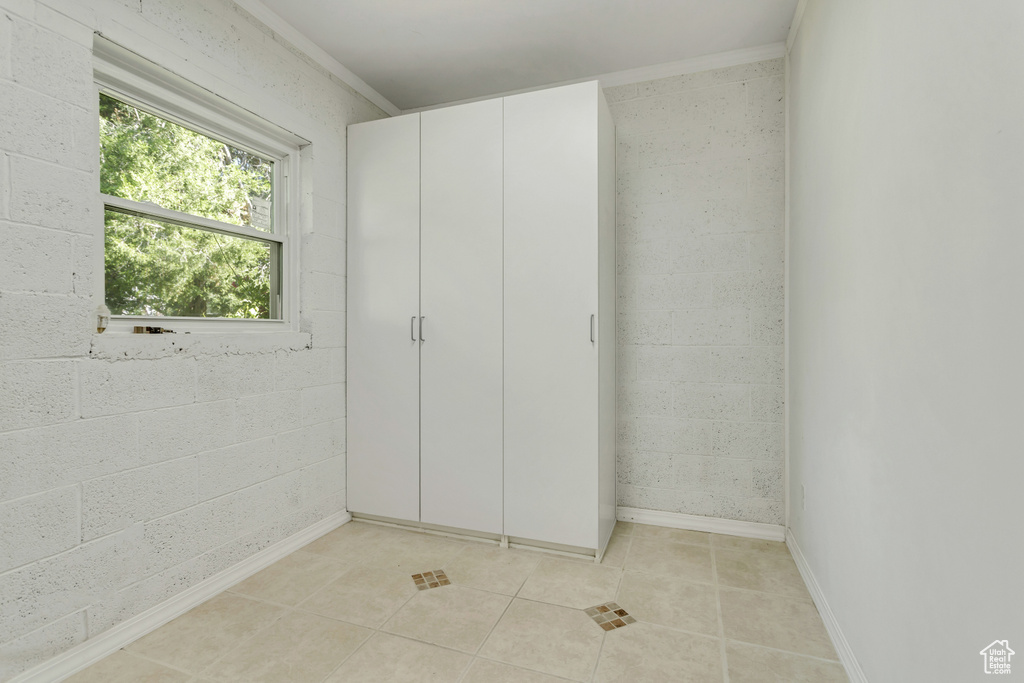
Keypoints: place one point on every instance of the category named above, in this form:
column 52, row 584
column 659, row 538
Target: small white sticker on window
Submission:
column 261, row 210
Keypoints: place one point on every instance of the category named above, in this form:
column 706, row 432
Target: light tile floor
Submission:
column 345, row 608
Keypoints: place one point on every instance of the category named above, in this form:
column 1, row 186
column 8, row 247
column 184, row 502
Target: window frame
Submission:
column 126, row 76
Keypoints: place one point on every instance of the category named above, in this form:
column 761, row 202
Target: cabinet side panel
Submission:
column 383, row 299
column 551, row 292
column 606, row 337
column 461, row 300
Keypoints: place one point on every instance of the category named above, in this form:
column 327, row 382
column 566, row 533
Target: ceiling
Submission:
column 418, row 53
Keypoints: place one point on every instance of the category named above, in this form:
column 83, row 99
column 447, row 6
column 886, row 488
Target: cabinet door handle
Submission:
column 422, row 318
column 591, row 328
column 412, row 328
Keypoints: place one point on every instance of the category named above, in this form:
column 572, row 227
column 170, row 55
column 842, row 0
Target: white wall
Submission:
column 700, row 308
column 907, row 327
column 131, row 470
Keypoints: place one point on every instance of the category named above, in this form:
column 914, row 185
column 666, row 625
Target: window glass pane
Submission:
column 160, row 269
column 149, row 159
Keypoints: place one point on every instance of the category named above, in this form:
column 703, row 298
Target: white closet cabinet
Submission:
column 460, row 300
column 481, row 318
column 425, row 325
column 559, row 317
column 383, row 315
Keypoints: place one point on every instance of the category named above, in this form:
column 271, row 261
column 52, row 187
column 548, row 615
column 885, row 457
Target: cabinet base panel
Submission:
column 498, row 539
column 435, row 529
column 531, row 544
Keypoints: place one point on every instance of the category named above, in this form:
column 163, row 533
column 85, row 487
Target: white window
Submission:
column 199, row 200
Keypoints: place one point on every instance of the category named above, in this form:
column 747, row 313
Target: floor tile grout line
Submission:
column 378, row 632
column 466, row 668
column 670, row 575
column 675, row 629
column 604, row 634
column 618, row 585
column 628, row 542
column 423, row 642
column 172, row 667
column 240, row 643
column 476, row 653
column 154, row 661
column 457, row 555
column 625, row 555
column 352, row 654
column 309, row 612
column 299, row 606
column 334, row 579
column 597, row 662
column 303, row 601
column 786, row 652
column 768, row 593
column 524, row 668
column 712, row 583
column 490, row 631
column 295, row 606
column 232, row 648
column 527, row 580
column 674, row 541
column 374, row 630
column 400, row 608
column 288, row 609
column 721, row 621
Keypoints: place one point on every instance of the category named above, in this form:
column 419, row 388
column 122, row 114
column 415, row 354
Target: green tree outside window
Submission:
column 156, row 268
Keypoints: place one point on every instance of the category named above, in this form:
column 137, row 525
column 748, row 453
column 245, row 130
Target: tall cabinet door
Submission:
column 383, row 317
column 461, row 301
column 551, row 292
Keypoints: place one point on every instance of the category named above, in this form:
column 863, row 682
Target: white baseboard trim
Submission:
column 715, row 525
column 91, row 651
column 846, row 656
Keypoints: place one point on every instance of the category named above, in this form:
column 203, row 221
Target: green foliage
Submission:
column 158, row 268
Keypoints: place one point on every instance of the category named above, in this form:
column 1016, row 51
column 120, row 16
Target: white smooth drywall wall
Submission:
column 906, row 328
column 131, row 467
column 700, row 216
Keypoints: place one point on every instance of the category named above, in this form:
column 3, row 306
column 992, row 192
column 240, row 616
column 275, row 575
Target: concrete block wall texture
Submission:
column 131, row 467
column 700, row 230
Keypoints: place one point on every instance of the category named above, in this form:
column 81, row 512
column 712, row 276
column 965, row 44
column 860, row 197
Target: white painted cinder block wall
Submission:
column 906, row 328
column 131, row 470
column 700, row 226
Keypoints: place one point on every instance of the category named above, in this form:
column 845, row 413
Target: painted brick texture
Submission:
column 700, row 204
column 131, row 468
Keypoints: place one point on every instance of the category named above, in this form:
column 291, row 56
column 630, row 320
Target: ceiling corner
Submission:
column 274, row 21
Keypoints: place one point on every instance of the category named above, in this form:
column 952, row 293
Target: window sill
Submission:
column 120, row 345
